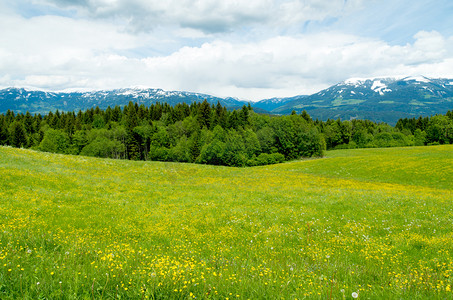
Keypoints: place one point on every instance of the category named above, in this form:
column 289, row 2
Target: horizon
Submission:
column 346, row 81
column 256, row 50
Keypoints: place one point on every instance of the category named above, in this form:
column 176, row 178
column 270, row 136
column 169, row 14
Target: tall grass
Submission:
column 376, row 222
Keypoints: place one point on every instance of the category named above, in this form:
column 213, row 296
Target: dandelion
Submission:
column 355, row 295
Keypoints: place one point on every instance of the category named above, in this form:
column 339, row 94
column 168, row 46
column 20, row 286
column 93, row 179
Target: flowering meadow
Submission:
column 362, row 223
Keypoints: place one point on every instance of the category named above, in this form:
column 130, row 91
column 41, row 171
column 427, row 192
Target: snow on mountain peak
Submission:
column 417, row 78
column 380, row 87
column 355, row 81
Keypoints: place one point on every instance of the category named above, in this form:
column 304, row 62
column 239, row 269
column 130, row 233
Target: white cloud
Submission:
column 57, row 53
column 209, row 16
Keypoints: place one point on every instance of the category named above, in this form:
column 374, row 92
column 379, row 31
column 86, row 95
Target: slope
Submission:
column 379, row 99
column 325, row 228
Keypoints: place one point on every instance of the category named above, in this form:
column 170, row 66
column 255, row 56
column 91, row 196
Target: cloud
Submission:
column 183, row 52
column 208, row 16
column 59, row 53
column 397, row 21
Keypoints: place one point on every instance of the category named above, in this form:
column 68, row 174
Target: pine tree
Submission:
column 195, row 146
column 28, row 123
column 244, row 118
column 306, row 116
column 204, row 114
column 18, row 137
column 4, row 135
column 133, row 138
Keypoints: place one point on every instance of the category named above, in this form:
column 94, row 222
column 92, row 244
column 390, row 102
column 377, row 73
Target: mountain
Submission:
column 21, row 100
column 274, row 103
column 378, row 99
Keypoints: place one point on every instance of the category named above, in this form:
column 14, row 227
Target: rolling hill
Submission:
column 375, row 222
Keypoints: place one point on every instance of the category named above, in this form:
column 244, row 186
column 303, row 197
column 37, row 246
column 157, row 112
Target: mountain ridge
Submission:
column 379, row 99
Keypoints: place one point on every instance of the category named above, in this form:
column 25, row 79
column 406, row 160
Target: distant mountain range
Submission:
column 21, row 100
column 378, row 99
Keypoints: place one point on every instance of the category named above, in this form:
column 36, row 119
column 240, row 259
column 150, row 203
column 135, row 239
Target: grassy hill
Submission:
column 377, row 222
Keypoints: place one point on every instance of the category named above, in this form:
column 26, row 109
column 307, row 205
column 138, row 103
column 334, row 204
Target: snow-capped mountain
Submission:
column 21, row 100
column 273, row 103
column 377, row 99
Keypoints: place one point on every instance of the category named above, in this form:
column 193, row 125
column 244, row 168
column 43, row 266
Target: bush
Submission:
column 269, row 159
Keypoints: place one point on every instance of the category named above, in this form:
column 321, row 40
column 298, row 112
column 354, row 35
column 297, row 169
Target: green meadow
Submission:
column 368, row 223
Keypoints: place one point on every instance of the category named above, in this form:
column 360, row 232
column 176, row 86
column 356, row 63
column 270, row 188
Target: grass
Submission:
column 377, row 222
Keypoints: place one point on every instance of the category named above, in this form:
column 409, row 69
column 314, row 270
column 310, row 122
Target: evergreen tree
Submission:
column 10, row 116
column 116, row 114
column 244, row 119
column 306, row 116
column 4, row 135
column 133, row 138
column 233, row 120
column 204, row 114
column 194, row 146
column 28, row 123
column 18, row 136
column 220, row 116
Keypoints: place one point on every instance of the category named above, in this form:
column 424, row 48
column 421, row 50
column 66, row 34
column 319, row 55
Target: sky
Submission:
column 251, row 50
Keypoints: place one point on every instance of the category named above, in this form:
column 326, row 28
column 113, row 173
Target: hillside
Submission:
column 376, row 222
column 379, row 99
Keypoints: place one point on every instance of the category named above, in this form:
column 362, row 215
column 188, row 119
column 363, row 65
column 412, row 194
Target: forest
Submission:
column 209, row 134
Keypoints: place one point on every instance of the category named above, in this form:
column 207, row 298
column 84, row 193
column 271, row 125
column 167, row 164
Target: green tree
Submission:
column 244, row 119
column 234, row 152
column 133, row 140
column 220, row 116
column 104, row 147
column 251, row 143
column 212, row 153
column 306, row 116
column 180, row 152
column 4, row 134
column 17, row 135
column 285, row 137
column 55, row 141
column 204, row 114
column 439, row 130
column 194, row 146
column 419, row 137
column 266, row 138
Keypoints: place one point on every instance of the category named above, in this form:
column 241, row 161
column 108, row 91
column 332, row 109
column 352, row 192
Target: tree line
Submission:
column 208, row 134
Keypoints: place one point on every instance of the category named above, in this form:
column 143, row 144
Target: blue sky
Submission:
column 251, row 49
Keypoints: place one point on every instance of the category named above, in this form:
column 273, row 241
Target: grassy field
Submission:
column 375, row 222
